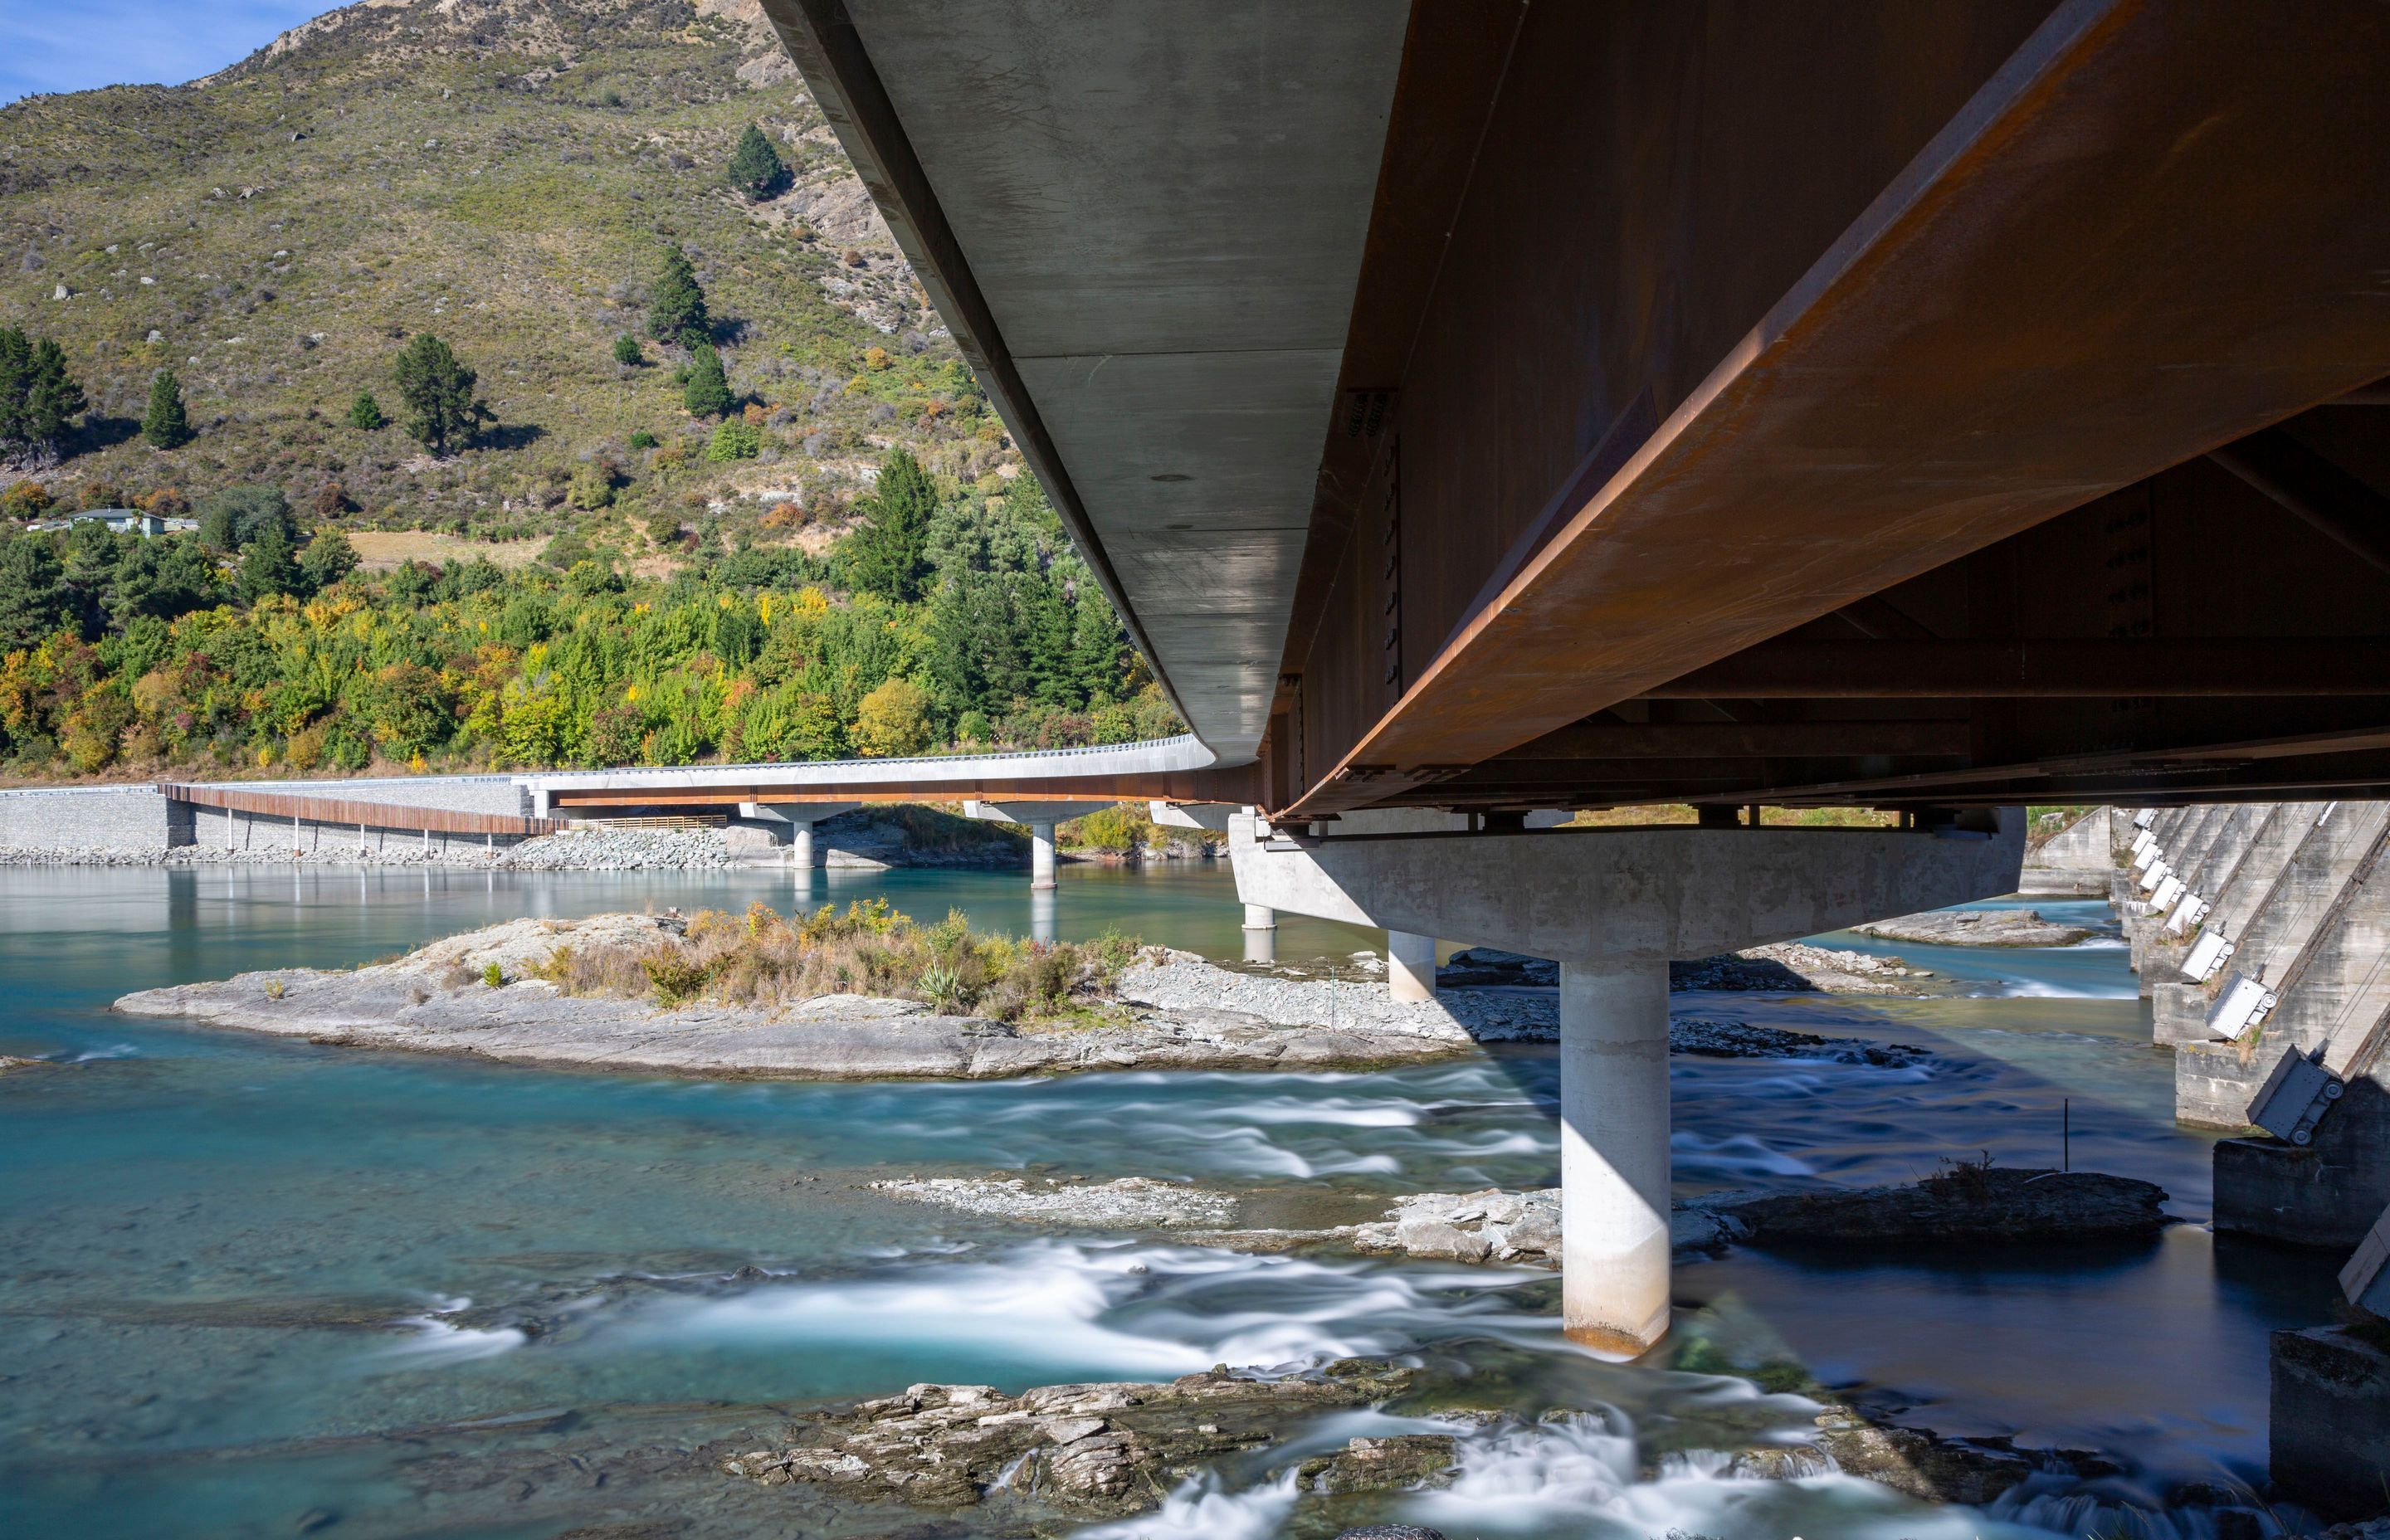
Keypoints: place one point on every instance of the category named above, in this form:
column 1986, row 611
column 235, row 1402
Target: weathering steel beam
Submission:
column 2048, row 670
column 2146, row 208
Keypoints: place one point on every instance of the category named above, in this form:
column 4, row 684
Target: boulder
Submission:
column 1965, row 1203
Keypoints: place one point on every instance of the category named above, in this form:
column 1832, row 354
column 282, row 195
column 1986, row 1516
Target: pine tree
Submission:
column 37, row 394
column 708, row 392
column 627, row 350
column 266, row 568
column 34, row 597
column 165, row 425
column 677, row 306
column 755, row 167
column 365, row 412
column 438, row 391
column 888, row 556
column 54, row 396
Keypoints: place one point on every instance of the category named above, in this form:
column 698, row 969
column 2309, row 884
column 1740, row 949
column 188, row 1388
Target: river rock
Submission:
column 1391, row 1532
column 1090, row 1450
column 1401, row 1460
column 1798, row 967
column 1131, row 1203
column 1976, row 928
column 1716, row 1038
column 9, row 1066
column 1967, row 1204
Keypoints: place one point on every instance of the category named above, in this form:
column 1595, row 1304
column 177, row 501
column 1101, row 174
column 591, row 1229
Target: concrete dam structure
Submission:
column 2260, row 933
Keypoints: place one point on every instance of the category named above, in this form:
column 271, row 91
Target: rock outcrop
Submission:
column 1090, row 1450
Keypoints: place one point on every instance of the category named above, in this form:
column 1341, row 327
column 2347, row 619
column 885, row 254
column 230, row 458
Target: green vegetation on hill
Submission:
column 249, row 645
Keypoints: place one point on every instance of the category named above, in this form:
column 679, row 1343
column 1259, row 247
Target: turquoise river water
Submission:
column 255, row 1288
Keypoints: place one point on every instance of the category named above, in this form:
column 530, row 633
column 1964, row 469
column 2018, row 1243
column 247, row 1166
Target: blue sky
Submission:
column 74, row 45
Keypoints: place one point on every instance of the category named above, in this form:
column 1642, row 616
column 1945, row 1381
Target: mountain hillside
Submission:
column 506, row 174
column 734, row 497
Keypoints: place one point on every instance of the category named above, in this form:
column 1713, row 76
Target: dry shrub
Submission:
column 761, row 958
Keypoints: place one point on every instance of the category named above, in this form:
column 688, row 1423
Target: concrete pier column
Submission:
column 1410, row 966
column 1041, row 857
column 1614, row 1154
column 800, row 841
column 1260, row 916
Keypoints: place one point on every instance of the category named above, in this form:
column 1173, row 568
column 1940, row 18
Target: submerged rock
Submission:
column 1976, row 928
column 1965, row 1203
column 1391, row 1532
column 1097, row 1449
column 9, row 1065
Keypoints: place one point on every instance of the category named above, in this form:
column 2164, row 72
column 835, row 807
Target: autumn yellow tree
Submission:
column 894, row 721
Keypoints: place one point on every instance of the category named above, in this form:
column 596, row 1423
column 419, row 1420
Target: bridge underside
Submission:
column 1499, row 406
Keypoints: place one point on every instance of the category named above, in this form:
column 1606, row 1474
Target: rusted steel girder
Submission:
column 1947, row 670
column 1239, row 784
column 2155, row 230
column 343, row 810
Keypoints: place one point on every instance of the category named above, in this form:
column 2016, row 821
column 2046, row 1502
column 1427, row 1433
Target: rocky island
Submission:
column 869, row 994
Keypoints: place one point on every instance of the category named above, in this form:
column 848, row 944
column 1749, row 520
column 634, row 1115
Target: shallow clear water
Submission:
column 246, row 1284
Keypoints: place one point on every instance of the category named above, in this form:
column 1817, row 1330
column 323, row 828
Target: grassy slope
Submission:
column 506, row 180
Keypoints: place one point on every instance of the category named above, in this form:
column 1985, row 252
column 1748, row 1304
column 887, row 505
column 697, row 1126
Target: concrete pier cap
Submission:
column 1614, row 907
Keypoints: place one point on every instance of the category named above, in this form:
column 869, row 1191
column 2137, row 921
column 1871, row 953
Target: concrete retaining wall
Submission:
column 2077, row 859
column 78, row 818
column 110, row 817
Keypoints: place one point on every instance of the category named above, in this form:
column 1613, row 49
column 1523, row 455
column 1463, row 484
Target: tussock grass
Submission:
column 764, row 959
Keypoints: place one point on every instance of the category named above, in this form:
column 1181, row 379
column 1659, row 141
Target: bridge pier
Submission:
column 1410, row 966
column 1040, row 817
column 1612, row 907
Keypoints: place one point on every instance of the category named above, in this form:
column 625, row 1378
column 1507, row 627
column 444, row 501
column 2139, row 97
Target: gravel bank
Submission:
column 1977, row 927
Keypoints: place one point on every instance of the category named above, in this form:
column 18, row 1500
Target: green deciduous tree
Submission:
column 165, row 425
column 438, row 392
column 708, row 391
column 677, row 304
column 755, row 167
column 365, row 412
column 888, row 556
column 327, row 558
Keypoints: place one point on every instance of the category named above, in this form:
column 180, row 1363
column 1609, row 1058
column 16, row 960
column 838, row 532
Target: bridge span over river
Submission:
column 1476, row 408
